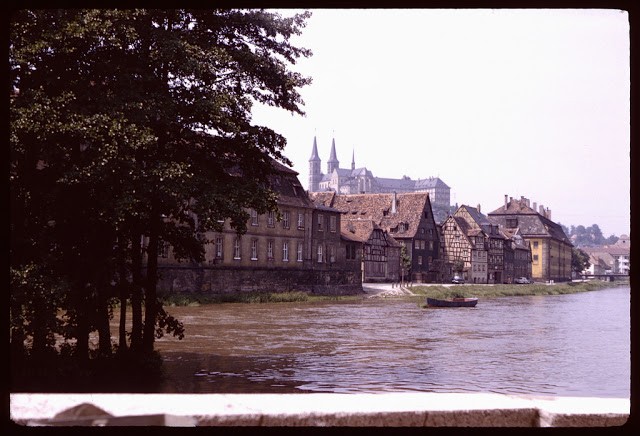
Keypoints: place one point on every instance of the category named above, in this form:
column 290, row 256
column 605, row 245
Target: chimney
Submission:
column 527, row 201
column 394, row 203
column 478, row 207
column 541, row 211
column 548, row 213
column 505, row 202
column 535, row 205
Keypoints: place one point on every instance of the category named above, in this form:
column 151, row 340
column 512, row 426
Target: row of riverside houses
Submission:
column 512, row 241
column 329, row 243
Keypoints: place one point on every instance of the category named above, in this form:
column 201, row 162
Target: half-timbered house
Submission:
column 381, row 252
column 494, row 240
column 464, row 250
column 407, row 217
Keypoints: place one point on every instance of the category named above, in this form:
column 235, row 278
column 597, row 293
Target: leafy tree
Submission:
column 405, row 262
column 131, row 127
column 458, row 265
column 579, row 260
column 612, row 239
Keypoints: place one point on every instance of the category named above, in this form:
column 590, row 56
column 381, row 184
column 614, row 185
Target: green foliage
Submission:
column 579, row 260
column 588, row 236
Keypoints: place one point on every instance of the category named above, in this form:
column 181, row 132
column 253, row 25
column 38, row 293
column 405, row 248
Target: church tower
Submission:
column 333, row 159
column 314, row 168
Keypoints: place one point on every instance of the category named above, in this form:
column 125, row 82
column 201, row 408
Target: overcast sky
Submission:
column 530, row 103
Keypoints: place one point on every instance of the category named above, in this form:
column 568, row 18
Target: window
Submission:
column 300, row 220
column 419, row 260
column 512, row 223
column 218, row 249
column 319, row 253
column 270, row 250
column 535, row 258
column 351, row 251
column 286, row 221
column 430, row 245
column 332, row 254
column 285, row 251
column 236, row 248
column 254, row 217
column 163, row 249
column 320, row 222
column 535, row 244
column 299, row 256
column 271, row 218
column 254, row 249
column 332, row 223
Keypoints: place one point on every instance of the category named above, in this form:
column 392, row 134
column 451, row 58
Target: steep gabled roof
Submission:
column 322, row 198
column 287, row 186
column 378, row 207
column 360, row 229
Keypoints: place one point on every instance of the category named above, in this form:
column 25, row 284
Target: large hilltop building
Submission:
column 362, row 181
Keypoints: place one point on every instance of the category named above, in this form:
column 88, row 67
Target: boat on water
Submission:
column 454, row 302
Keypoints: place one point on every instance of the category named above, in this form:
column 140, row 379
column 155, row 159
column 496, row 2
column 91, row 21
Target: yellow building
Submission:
column 550, row 247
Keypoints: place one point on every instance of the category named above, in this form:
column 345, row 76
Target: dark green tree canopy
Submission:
column 130, row 106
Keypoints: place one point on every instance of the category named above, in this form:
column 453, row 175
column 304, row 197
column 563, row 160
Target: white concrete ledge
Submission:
column 358, row 410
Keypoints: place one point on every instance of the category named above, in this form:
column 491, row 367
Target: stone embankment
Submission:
column 386, row 290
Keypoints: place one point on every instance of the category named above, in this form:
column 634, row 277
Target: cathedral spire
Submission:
column 333, row 159
column 314, row 151
column 314, row 168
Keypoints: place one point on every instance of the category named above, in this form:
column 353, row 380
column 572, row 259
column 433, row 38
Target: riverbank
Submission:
column 388, row 290
column 444, row 291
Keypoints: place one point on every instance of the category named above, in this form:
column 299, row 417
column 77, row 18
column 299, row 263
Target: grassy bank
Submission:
column 480, row 291
column 252, row 297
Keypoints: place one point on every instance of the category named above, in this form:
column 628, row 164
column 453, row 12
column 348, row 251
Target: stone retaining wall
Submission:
column 215, row 280
column 318, row 410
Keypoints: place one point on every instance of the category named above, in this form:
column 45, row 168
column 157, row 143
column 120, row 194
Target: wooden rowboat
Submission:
column 454, row 302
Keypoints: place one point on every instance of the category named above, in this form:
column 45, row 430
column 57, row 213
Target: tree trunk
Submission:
column 123, row 285
column 136, row 292
column 150, row 296
column 102, row 314
column 82, row 324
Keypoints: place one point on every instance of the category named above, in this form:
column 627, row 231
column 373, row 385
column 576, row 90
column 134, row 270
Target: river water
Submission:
column 564, row 345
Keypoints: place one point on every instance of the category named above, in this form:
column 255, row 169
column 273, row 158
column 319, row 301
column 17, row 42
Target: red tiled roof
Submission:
column 378, row 207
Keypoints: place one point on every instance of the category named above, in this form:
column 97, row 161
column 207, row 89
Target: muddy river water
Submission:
column 565, row 345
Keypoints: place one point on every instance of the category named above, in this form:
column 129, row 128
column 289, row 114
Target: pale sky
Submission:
column 530, row 103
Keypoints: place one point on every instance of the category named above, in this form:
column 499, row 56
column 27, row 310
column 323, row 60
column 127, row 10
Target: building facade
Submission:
column 380, row 251
column 407, row 217
column 550, row 247
column 297, row 248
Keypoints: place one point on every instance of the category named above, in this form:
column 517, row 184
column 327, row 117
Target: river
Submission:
column 564, row 345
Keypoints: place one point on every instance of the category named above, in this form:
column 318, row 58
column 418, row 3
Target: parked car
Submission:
column 457, row 280
column 522, row 280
